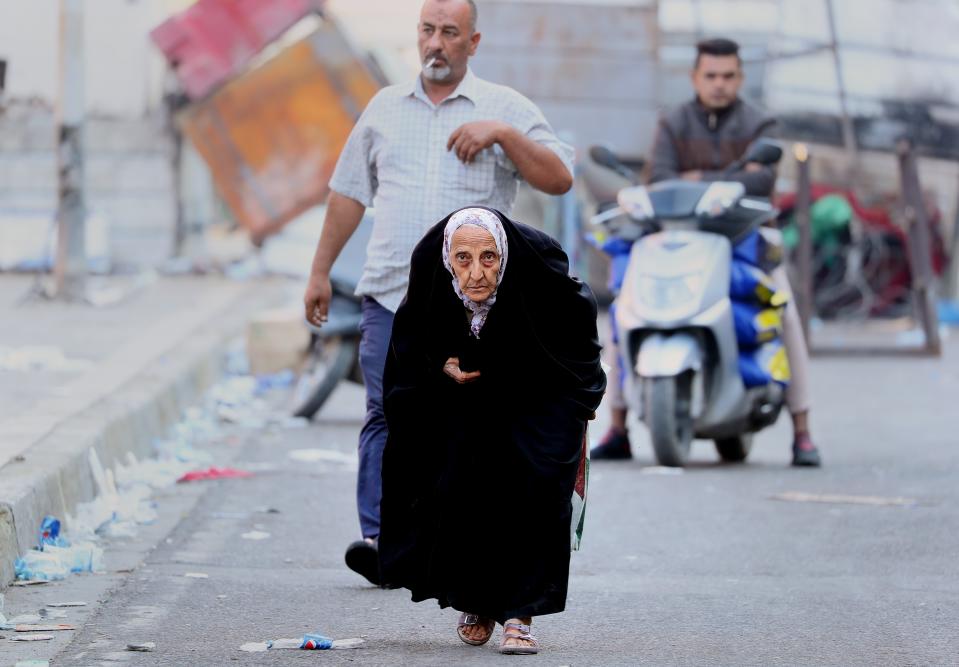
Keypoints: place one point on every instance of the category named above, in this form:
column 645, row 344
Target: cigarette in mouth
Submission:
column 429, row 63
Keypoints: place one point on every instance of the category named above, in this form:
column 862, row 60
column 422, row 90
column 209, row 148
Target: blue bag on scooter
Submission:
column 751, row 284
column 762, row 248
column 756, row 324
column 767, row 363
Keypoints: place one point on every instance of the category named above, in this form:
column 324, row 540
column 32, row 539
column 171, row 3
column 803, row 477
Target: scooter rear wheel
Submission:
column 668, row 403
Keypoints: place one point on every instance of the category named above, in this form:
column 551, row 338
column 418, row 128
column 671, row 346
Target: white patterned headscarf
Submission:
column 480, row 217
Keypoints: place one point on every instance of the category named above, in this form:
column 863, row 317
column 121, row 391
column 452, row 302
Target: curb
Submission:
column 55, row 474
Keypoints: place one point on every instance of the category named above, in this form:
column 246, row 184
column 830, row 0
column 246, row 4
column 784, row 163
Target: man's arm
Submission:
column 343, row 216
column 538, row 165
column 758, row 179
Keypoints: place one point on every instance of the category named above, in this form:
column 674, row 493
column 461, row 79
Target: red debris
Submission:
column 214, row 473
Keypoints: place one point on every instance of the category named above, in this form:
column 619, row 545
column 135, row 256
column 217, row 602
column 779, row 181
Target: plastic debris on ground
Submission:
column 34, row 662
column 55, row 557
column 214, row 473
column 145, row 647
column 308, row 642
column 844, row 499
column 123, row 499
column 36, row 627
column 31, row 638
column 196, row 575
column 255, row 535
column 55, row 605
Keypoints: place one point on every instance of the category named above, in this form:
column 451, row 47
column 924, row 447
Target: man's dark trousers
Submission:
column 376, row 326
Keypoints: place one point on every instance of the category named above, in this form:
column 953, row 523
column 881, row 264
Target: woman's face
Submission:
column 475, row 261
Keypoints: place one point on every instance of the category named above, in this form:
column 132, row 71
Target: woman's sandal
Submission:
column 471, row 620
column 518, row 631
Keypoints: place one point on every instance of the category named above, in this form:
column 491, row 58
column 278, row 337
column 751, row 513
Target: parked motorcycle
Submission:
column 334, row 351
column 674, row 316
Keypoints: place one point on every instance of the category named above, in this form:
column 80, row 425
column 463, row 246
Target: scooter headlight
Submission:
column 663, row 293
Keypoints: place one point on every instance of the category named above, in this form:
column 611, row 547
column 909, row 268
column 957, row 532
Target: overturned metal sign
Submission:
column 272, row 135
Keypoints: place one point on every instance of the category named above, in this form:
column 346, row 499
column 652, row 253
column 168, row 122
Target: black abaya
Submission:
column 477, row 478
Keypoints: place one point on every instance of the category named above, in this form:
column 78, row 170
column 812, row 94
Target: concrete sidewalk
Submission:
column 126, row 372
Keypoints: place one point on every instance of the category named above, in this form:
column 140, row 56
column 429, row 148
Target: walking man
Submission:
column 420, row 150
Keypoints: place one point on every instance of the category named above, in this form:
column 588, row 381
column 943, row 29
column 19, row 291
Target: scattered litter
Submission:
column 800, row 497
column 30, row 582
column 25, row 618
column 56, row 562
column 33, row 662
column 267, row 510
column 34, row 627
column 661, row 470
column 40, row 358
column 214, row 473
column 54, row 605
column 53, row 614
column 254, row 647
column 196, row 575
column 145, row 647
column 318, row 455
column 31, row 638
column 280, row 380
column 255, row 535
column 309, row 642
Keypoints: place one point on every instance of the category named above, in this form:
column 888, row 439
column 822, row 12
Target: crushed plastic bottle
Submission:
column 308, row 642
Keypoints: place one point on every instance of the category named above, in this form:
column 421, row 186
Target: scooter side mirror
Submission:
column 763, row 151
column 604, row 157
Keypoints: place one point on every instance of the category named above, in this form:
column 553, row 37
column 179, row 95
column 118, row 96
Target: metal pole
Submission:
column 70, row 270
column 920, row 246
column 848, row 132
column 804, row 294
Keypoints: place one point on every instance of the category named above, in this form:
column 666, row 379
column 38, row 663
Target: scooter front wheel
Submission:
column 668, row 405
column 330, row 362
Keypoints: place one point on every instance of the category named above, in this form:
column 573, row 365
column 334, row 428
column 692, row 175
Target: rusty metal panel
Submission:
column 271, row 137
column 591, row 66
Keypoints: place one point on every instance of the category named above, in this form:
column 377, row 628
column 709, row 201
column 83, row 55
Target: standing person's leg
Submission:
column 615, row 443
column 805, row 452
column 375, row 328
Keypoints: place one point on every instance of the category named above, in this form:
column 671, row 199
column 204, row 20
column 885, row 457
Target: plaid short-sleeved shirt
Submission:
column 396, row 161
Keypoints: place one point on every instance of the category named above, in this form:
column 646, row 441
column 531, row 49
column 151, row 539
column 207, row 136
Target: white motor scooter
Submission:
column 674, row 316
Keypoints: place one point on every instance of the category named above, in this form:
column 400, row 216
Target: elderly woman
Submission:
column 492, row 374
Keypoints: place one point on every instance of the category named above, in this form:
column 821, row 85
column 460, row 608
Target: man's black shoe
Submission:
column 362, row 558
column 613, row 447
column 805, row 453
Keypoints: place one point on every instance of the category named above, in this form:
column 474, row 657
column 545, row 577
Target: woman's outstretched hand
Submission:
column 452, row 368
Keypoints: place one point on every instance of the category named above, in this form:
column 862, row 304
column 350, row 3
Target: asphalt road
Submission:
column 700, row 568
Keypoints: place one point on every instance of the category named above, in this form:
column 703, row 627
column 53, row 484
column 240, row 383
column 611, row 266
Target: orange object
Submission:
column 271, row 137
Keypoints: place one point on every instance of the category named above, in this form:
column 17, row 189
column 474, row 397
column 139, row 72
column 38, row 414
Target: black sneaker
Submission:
column 613, row 447
column 362, row 558
column 805, row 452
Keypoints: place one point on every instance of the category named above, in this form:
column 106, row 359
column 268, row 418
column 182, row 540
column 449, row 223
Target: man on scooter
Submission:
column 698, row 141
